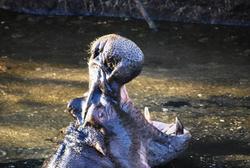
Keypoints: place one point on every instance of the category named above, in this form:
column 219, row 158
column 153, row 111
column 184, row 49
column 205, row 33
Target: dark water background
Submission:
column 225, row 12
column 199, row 73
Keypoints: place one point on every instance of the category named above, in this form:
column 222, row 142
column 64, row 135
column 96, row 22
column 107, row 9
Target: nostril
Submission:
column 70, row 108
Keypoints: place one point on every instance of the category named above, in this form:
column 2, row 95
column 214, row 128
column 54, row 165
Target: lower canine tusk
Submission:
column 179, row 127
column 147, row 114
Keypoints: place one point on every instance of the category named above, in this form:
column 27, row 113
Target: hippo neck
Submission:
column 126, row 145
column 119, row 143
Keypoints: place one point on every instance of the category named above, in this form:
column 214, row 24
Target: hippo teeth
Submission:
column 179, row 127
column 147, row 114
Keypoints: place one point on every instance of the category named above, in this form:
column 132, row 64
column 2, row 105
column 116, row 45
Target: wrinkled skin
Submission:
column 159, row 152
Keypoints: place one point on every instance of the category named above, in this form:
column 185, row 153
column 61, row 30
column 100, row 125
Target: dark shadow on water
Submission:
column 29, row 163
column 179, row 163
column 207, row 163
column 229, row 101
column 36, row 104
column 176, row 104
column 220, row 148
column 36, row 81
column 211, row 154
column 224, row 101
column 66, row 39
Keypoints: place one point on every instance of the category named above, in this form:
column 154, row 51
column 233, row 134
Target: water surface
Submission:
column 199, row 73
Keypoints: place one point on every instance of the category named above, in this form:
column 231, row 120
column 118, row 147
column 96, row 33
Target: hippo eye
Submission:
column 100, row 114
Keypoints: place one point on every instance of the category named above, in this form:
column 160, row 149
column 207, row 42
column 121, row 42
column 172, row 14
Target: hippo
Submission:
column 107, row 124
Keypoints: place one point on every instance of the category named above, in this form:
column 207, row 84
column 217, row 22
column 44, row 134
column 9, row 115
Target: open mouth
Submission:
column 174, row 143
column 174, row 129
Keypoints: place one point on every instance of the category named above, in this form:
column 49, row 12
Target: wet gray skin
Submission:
column 124, row 136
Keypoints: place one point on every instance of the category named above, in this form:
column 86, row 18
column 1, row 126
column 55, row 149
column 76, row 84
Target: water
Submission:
column 199, row 73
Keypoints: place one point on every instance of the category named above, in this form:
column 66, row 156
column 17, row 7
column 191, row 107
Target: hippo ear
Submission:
column 124, row 95
column 147, row 114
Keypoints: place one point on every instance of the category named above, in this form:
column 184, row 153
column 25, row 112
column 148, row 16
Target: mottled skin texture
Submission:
column 120, row 59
